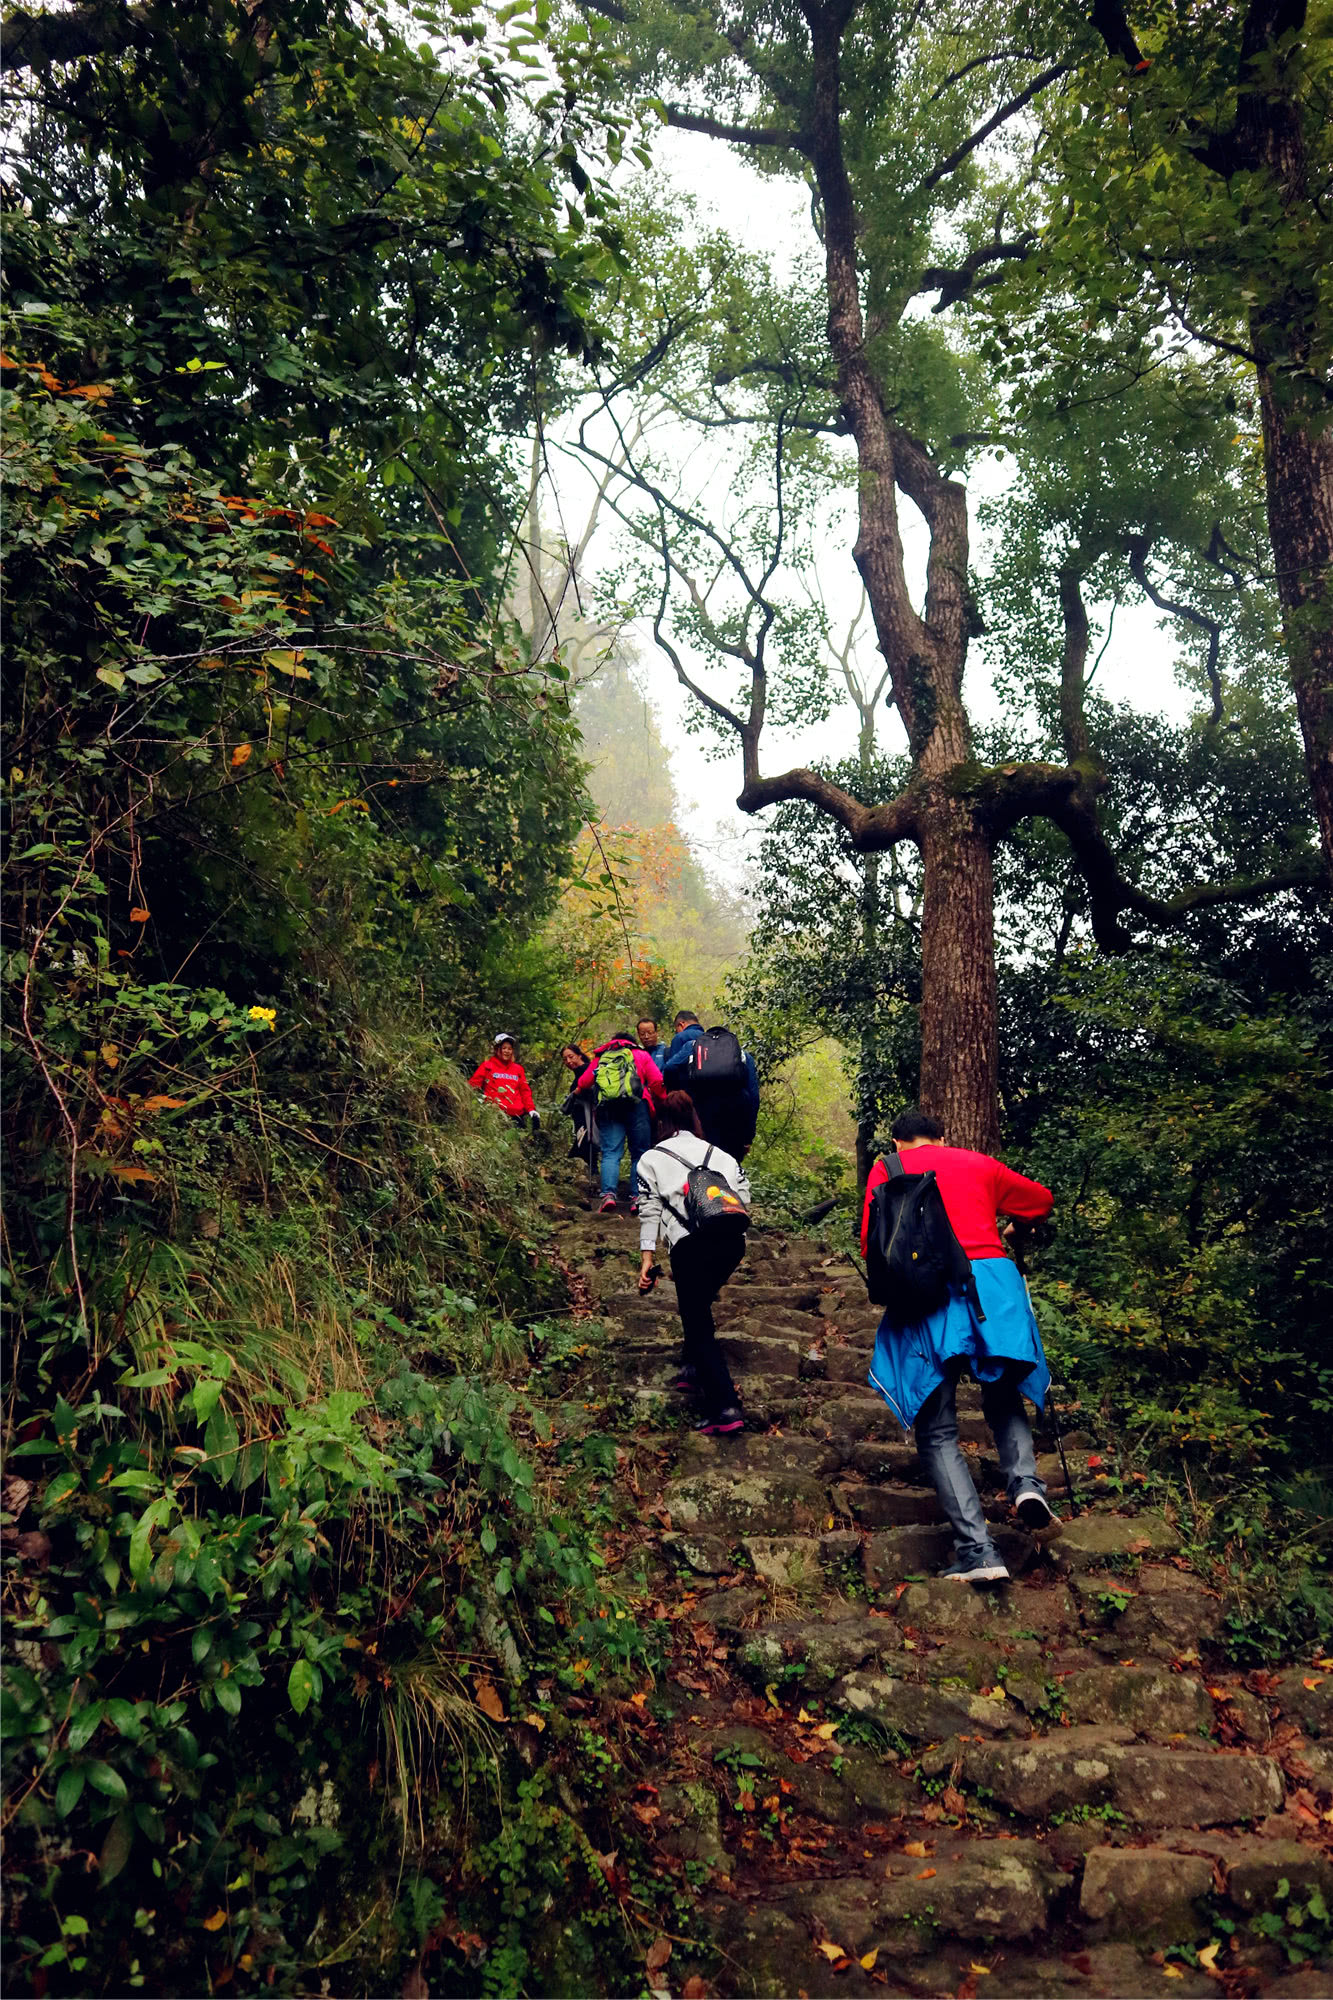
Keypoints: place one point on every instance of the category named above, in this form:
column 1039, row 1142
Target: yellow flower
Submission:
column 268, row 1015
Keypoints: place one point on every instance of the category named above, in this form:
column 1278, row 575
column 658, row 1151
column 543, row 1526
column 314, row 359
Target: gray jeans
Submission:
column 937, row 1443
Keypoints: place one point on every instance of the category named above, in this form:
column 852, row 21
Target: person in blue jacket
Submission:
column 728, row 1116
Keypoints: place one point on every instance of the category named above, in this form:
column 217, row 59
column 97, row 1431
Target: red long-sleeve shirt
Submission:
column 505, row 1084
column 975, row 1188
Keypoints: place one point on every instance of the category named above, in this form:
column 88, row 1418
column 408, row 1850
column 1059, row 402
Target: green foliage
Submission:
column 287, row 802
column 1187, row 1286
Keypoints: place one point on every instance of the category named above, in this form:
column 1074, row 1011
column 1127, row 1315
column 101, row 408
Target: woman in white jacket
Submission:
column 701, row 1263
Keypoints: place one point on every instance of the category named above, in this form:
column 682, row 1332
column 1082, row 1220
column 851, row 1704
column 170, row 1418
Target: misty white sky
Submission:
column 1138, row 665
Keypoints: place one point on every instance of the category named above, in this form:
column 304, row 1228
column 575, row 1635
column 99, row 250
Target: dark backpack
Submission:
column 618, row 1079
column 711, row 1202
column 914, row 1261
column 716, row 1061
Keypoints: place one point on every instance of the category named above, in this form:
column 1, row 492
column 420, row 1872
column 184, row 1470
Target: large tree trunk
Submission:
column 1290, row 334
column 959, row 1021
column 1298, row 470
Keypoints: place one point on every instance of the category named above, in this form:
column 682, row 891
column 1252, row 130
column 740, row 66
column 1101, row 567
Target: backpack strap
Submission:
column 893, row 1166
column 665, row 1199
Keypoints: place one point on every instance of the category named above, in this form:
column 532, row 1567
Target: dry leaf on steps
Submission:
column 832, row 1951
column 868, row 1962
column 694, row 1988
column 1208, row 1956
column 489, row 1702
column 917, row 1849
column 925, row 1875
column 659, row 1951
column 535, row 1721
column 825, row 1731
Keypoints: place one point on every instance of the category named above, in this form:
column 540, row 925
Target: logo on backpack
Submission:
column 618, row 1081
column 711, row 1202
column 914, row 1261
column 717, row 1060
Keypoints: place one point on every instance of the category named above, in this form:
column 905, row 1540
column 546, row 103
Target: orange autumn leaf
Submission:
column 489, row 1702
column 832, row 1951
column 125, row 1170
column 139, row 915
column 216, row 1921
column 867, row 1963
column 241, row 755
column 925, row 1874
column 917, row 1849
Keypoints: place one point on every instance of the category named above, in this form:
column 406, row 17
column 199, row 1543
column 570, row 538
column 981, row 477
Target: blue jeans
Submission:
column 624, row 1119
column 937, row 1443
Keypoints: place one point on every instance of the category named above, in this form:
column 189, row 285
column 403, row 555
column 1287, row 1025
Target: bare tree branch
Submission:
column 1137, row 551
column 786, row 137
column 992, row 124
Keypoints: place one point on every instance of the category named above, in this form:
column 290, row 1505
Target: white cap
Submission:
column 504, row 1036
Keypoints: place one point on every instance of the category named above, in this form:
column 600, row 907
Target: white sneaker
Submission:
column 969, row 1570
column 1032, row 1510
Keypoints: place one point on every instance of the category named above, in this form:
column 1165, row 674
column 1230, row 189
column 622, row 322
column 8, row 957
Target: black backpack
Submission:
column 914, row 1261
column 716, row 1061
column 711, row 1202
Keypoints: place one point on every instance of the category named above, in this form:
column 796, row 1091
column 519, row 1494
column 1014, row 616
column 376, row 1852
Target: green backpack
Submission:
column 618, row 1081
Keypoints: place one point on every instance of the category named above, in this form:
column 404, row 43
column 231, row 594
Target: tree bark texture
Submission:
column 959, row 1019
column 1298, row 472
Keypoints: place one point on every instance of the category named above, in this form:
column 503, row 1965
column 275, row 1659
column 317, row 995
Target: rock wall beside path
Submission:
column 1051, row 1788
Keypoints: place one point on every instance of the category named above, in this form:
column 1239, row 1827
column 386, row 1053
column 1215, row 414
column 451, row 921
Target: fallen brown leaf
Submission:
column 489, row 1702
column 659, row 1951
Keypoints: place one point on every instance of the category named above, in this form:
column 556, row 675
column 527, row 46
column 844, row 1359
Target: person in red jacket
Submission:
column 502, row 1080
column 916, row 1368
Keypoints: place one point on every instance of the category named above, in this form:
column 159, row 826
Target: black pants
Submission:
column 700, row 1267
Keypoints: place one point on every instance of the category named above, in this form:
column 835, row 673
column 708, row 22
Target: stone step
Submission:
column 975, row 1889
column 827, row 1647
column 1148, row 1700
column 1147, row 1784
column 748, row 1503
column 1158, row 1610
column 918, row 1713
column 895, row 1555
column 1095, row 1539
column 776, row 1451
column 887, row 1505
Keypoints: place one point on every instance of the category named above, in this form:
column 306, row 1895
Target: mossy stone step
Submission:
column 767, row 1451
column 1148, row 1700
column 888, row 1505
column 1093, row 1540
column 748, row 1503
column 894, row 1555
column 975, row 1889
column 1147, row 1784
column 923, row 1714
column 827, row 1647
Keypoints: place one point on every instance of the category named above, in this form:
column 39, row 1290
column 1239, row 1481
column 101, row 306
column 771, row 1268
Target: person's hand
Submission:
column 536, row 1122
column 648, row 1272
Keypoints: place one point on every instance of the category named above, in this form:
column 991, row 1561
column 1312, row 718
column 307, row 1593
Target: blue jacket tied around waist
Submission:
column 911, row 1361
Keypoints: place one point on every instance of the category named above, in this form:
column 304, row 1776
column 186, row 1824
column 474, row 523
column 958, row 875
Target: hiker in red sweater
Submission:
column 916, row 1368
column 502, row 1080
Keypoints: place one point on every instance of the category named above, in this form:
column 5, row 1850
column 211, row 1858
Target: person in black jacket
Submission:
column 581, row 1108
column 727, row 1114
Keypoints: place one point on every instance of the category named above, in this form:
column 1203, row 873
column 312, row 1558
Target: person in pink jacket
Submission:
column 626, row 1082
column 502, row 1080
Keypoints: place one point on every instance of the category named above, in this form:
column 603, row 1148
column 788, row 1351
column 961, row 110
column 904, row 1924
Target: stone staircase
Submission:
column 876, row 1780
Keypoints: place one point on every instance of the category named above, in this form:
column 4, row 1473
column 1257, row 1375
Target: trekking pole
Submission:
column 1048, row 1409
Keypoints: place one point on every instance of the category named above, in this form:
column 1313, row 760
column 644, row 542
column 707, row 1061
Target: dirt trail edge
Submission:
column 877, row 1781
